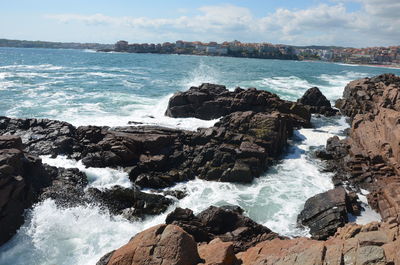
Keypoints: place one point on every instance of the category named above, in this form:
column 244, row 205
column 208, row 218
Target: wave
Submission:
column 100, row 178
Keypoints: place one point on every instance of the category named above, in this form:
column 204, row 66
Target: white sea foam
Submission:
column 97, row 177
column 335, row 83
column 203, row 73
column 290, row 87
column 151, row 112
column 368, row 215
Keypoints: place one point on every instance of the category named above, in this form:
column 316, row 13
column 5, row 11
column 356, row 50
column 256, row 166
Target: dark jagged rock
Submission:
column 131, row 202
column 316, row 102
column 22, row 177
column 41, row 136
column 227, row 223
column 210, row 101
column 67, row 188
column 325, row 212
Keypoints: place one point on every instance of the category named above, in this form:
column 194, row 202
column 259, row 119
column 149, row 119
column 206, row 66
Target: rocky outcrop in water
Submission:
column 210, row 101
column 324, row 213
column 226, row 223
column 41, row 136
column 238, row 148
column 316, row 102
column 130, row 202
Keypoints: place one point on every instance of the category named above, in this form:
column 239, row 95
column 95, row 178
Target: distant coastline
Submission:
column 385, row 57
column 52, row 45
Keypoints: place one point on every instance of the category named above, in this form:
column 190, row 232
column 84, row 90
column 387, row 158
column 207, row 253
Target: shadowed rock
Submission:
column 325, row 212
column 210, row 101
column 226, row 223
column 316, row 102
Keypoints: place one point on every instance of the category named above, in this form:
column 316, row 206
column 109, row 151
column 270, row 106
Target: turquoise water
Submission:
column 84, row 87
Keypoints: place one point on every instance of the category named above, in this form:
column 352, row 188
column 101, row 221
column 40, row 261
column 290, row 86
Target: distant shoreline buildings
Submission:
column 373, row 55
column 388, row 56
column 232, row 49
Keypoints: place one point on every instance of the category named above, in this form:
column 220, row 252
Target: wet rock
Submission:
column 325, row 212
column 22, row 178
column 162, row 244
column 131, row 202
column 226, row 223
column 210, row 101
column 41, row 136
column 316, row 102
column 67, row 188
column 179, row 194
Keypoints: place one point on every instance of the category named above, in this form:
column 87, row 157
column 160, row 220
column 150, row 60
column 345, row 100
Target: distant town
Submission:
column 387, row 56
column 374, row 55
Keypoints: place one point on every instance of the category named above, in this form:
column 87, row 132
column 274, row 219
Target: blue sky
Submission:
column 357, row 23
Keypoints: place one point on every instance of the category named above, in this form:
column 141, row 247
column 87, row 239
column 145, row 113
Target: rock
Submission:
column 218, row 253
column 316, row 102
column 131, row 202
column 226, row 223
column 67, row 188
column 325, row 212
column 22, row 178
column 372, row 157
column 210, row 101
column 162, row 244
column 41, row 136
column 347, row 246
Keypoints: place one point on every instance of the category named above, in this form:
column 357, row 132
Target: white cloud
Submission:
column 377, row 23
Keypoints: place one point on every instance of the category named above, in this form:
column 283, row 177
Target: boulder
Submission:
column 325, row 212
column 130, row 202
column 316, row 102
column 226, row 223
column 161, row 244
column 218, row 252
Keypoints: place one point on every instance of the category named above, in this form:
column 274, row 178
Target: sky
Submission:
column 350, row 23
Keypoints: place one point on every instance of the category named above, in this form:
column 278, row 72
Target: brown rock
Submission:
column 218, row 253
column 161, row 245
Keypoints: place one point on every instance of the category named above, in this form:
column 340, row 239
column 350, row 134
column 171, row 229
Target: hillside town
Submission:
column 372, row 55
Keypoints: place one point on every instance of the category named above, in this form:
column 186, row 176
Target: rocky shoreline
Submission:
column 250, row 136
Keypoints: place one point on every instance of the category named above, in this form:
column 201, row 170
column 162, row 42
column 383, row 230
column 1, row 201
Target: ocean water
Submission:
column 112, row 89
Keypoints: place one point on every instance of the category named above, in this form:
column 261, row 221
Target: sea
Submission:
column 84, row 87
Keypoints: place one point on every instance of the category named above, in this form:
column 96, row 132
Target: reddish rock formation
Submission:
column 218, row 252
column 374, row 243
column 162, row 244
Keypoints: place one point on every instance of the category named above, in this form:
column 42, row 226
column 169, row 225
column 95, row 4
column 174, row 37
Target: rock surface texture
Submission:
column 22, row 177
column 325, row 212
column 162, row 244
column 225, row 223
column 316, row 102
column 210, row 101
